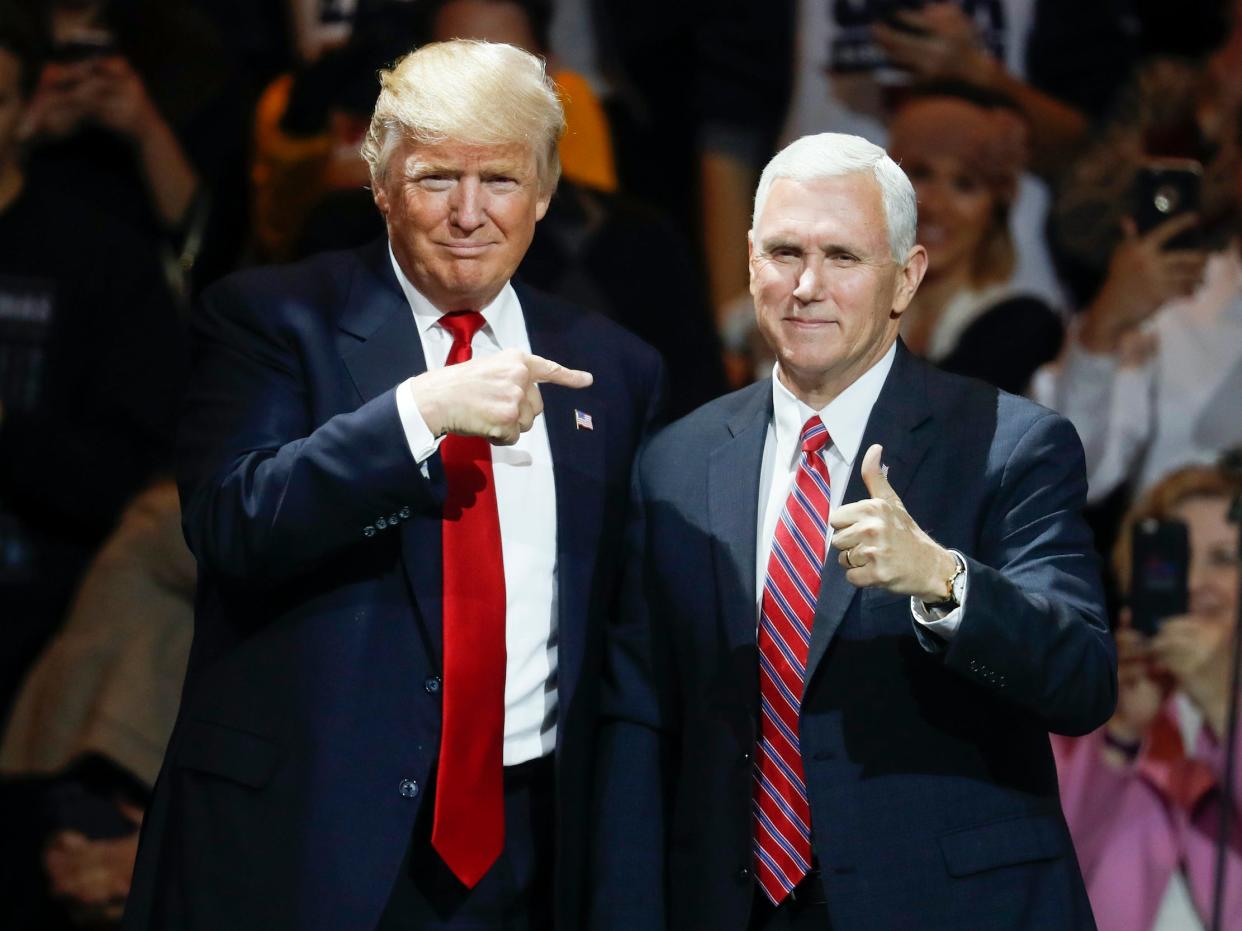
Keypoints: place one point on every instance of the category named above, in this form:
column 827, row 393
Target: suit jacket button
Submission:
column 404, row 513
column 743, row 874
column 381, row 523
column 408, row 788
column 394, row 519
column 432, row 684
column 368, row 531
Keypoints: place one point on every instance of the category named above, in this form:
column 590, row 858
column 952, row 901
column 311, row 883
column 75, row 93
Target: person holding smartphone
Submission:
column 1155, row 345
column 1141, row 794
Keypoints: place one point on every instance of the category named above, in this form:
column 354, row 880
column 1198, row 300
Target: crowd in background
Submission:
column 149, row 147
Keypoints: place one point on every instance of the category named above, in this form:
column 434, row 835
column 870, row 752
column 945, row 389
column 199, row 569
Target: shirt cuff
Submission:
column 943, row 623
column 417, row 434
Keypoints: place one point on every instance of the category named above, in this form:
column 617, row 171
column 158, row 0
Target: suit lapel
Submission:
column 578, row 473
column 732, row 508
column 384, row 350
column 898, row 422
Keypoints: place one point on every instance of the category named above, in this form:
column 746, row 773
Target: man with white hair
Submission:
column 404, row 479
column 854, row 738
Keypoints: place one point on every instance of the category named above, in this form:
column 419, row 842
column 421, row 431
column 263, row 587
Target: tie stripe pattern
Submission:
column 782, row 812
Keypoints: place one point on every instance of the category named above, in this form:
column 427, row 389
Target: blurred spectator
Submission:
column 1159, row 346
column 308, row 132
column 138, row 113
column 1172, row 107
column 1084, row 53
column 964, row 149
column 319, row 26
column 89, row 375
column 1141, row 795
column 88, row 732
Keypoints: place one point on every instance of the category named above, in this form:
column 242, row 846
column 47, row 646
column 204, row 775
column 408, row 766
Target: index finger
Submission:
column 846, row 515
column 1164, row 231
column 545, row 371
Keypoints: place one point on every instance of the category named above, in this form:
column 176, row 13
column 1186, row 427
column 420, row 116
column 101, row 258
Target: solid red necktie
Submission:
column 782, row 812
column 469, row 828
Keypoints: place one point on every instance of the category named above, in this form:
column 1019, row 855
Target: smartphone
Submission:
column 1160, row 564
column 1163, row 190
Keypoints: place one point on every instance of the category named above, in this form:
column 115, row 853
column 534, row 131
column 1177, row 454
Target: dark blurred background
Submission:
column 1080, row 187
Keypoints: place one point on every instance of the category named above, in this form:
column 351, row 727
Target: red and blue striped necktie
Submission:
column 782, row 812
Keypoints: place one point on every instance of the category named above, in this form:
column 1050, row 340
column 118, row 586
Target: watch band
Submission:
column 952, row 584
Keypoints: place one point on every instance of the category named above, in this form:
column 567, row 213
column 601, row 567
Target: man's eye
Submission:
column 502, row 181
column 844, row 258
column 784, row 253
column 435, row 182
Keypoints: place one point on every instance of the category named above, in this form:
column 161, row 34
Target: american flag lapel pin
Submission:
column 582, row 420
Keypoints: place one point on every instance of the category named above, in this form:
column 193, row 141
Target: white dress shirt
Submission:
column 526, row 502
column 845, row 418
column 1142, row 420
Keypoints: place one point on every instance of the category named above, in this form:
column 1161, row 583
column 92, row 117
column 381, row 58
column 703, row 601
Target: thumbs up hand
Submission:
column 882, row 547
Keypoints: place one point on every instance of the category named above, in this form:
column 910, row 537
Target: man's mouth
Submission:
column 466, row 249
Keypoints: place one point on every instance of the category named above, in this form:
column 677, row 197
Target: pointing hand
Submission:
column 496, row 397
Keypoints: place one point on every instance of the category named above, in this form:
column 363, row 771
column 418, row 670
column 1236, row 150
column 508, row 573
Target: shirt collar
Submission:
column 503, row 315
column 845, row 416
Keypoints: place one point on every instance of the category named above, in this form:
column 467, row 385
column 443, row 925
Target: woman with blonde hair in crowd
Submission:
column 964, row 148
column 1142, row 794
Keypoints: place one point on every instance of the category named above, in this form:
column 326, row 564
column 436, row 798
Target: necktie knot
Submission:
column 814, row 435
column 462, row 324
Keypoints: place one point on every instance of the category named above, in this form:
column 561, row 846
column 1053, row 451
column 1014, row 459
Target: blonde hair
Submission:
column 471, row 91
column 1176, row 488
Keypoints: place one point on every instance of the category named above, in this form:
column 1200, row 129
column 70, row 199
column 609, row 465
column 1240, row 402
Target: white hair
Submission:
column 471, row 91
column 831, row 155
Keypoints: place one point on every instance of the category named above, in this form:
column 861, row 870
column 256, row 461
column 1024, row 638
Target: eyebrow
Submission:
column 779, row 240
column 415, row 169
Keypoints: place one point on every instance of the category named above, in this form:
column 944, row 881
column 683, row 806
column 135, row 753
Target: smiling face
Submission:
column 956, row 210
column 1213, row 578
column 828, row 294
column 460, row 217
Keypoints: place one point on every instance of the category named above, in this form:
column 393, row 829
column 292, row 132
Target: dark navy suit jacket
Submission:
column 932, row 788
column 310, row 720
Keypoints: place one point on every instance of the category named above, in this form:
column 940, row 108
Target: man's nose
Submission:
column 810, row 285
column 466, row 205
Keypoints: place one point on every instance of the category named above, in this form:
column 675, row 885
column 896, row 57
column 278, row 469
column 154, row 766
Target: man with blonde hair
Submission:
column 403, row 477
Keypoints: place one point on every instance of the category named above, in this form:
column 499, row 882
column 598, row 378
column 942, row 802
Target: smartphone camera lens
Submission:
column 1167, row 198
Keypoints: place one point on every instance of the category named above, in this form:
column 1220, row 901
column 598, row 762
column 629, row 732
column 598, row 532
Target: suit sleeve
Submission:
column 637, row 734
column 1035, row 631
column 268, row 494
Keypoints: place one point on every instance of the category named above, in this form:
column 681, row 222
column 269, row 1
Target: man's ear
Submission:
column 909, row 278
column 379, row 194
column 750, row 259
column 541, row 204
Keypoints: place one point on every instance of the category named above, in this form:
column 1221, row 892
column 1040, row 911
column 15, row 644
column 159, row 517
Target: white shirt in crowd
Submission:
column 1178, row 407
